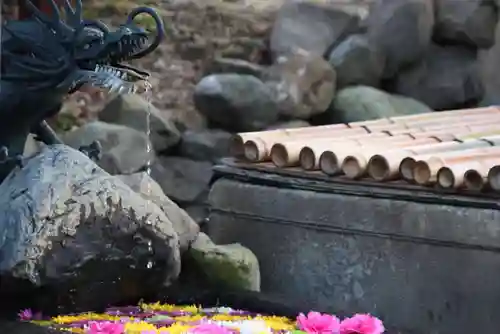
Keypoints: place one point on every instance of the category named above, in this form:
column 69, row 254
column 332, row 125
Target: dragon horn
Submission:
column 68, row 8
column 97, row 24
column 39, row 14
column 160, row 29
column 54, row 22
column 55, row 11
column 74, row 16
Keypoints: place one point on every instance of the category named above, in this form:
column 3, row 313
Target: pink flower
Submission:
column 105, row 327
column 25, row 315
column 209, row 329
column 362, row 324
column 316, row 322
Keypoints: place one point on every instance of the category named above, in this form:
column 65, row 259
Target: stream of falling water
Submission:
column 148, row 95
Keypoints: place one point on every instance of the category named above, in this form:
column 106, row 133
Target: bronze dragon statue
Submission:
column 44, row 58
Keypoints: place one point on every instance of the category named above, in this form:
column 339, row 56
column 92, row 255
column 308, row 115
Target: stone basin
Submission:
column 421, row 260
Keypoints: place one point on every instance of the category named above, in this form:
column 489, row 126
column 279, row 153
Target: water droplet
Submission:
column 148, row 95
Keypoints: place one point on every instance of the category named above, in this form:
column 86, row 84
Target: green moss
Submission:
column 221, row 271
column 64, row 122
column 146, row 21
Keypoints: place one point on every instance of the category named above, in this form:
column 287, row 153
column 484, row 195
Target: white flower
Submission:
column 253, row 327
column 220, row 310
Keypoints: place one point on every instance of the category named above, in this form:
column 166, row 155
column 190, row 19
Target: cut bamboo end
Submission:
column 421, row 172
column 494, row 178
column 446, row 179
column 406, row 168
column 308, row 159
column 379, row 168
column 236, row 147
column 255, row 150
column 329, row 164
column 279, row 155
column 425, row 172
column 354, row 166
column 473, row 180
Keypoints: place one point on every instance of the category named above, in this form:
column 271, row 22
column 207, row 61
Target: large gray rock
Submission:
column 32, row 146
column 303, row 85
column 470, row 22
column 289, row 125
column 361, row 103
column 135, row 112
column 357, row 62
column 124, row 150
column 183, row 180
column 185, row 227
column 206, row 145
column 232, row 266
column 235, row 102
column 235, row 66
column 447, row 78
column 402, row 30
column 81, row 234
column 489, row 63
column 311, row 27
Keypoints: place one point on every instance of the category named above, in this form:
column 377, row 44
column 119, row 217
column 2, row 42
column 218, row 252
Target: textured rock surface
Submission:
column 447, row 78
column 364, row 103
column 311, row 27
column 489, row 62
column 124, row 150
column 357, row 62
column 290, row 124
column 183, row 180
column 137, row 113
column 402, row 30
column 73, row 229
column 303, row 85
column 230, row 265
column 32, row 146
column 235, row 102
column 470, row 22
column 238, row 66
column 208, row 145
column 185, row 227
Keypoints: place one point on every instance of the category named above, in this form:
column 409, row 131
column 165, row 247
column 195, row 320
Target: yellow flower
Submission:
column 138, row 327
column 74, row 330
column 277, row 323
column 175, row 329
column 170, row 308
column 226, row 317
column 189, row 318
column 65, row 319
column 41, row 322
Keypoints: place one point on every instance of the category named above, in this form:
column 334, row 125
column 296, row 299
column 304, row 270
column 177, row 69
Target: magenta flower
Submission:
column 209, row 329
column 318, row 323
column 25, row 315
column 105, row 327
column 362, row 324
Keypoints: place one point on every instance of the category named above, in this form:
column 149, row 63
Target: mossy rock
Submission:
column 64, row 122
column 232, row 266
column 362, row 103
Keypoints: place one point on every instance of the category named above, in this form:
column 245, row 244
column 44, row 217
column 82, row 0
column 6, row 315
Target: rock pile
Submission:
column 325, row 62
column 75, row 237
column 331, row 63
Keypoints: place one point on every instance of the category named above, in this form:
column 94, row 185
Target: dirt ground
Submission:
column 197, row 31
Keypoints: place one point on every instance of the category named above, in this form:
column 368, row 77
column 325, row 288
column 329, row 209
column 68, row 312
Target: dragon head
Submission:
column 46, row 51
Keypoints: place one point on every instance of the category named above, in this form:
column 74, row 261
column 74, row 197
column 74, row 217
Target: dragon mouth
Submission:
column 121, row 78
column 123, row 72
